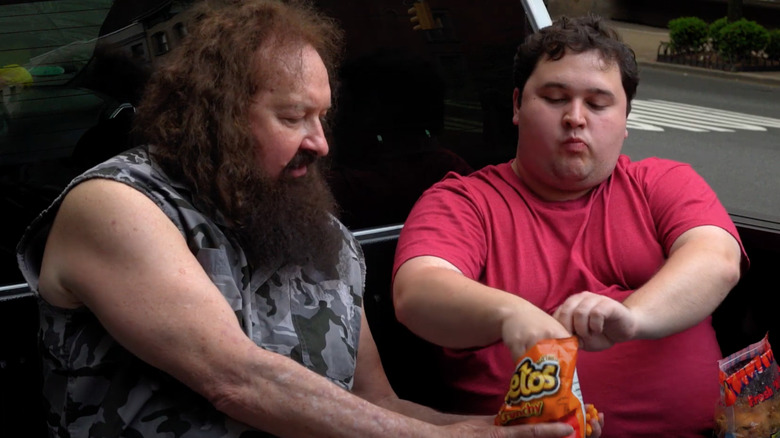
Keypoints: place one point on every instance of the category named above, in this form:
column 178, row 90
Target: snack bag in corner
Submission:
column 545, row 388
column 750, row 393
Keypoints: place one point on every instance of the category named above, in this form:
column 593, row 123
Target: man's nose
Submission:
column 574, row 115
column 315, row 140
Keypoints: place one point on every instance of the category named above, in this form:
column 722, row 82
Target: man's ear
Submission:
column 515, row 105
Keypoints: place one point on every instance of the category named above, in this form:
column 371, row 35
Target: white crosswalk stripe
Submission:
column 655, row 115
column 649, row 115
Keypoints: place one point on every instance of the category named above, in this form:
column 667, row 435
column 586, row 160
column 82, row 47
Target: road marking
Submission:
column 646, row 115
column 655, row 115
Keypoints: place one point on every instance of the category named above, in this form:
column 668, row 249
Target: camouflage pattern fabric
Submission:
column 96, row 388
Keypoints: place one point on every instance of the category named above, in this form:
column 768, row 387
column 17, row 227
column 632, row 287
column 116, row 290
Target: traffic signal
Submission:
column 422, row 18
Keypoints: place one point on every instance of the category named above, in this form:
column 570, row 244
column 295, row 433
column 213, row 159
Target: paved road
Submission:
column 728, row 130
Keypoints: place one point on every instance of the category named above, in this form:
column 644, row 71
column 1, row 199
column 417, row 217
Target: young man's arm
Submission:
column 443, row 306
column 703, row 266
column 113, row 250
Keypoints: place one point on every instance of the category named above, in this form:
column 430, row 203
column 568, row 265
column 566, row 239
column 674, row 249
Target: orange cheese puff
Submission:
column 590, row 414
column 545, row 388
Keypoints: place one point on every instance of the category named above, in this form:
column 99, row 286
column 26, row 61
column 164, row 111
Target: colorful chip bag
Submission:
column 545, row 388
column 750, row 393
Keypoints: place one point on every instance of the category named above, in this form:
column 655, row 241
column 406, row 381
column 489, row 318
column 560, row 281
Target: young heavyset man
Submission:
column 573, row 238
column 199, row 286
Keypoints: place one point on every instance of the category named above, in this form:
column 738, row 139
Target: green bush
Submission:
column 773, row 47
column 714, row 29
column 738, row 39
column 687, row 34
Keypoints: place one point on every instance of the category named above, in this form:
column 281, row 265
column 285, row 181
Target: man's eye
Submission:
column 554, row 99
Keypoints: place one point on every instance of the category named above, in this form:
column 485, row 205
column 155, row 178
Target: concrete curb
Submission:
column 752, row 77
column 646, row 40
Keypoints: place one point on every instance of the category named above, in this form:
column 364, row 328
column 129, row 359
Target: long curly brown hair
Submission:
column 195, row 107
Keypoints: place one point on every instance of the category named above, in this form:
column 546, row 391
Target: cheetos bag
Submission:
column 544, row 388
column 750, row 393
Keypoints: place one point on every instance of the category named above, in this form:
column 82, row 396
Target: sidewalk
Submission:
column 645, row 41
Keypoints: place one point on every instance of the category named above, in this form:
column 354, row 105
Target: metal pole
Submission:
column 537, row 14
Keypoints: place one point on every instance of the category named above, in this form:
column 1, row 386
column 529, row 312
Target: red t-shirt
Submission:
column 611, row 241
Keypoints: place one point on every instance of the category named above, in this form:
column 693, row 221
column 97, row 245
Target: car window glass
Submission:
column 413, row 105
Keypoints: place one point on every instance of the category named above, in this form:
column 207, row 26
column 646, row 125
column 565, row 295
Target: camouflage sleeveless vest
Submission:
column 96, row 388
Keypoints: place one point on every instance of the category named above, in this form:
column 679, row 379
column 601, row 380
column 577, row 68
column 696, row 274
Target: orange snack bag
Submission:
column 750, row 393
column 545, row 388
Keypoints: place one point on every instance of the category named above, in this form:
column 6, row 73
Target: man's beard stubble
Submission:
column 290, row 221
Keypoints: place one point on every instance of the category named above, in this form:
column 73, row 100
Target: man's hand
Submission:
column 596, row 425
column 485, row 428
column 597, row 320
column 522, row 329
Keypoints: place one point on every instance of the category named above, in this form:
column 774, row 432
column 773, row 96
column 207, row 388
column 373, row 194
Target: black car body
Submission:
column 445, row 107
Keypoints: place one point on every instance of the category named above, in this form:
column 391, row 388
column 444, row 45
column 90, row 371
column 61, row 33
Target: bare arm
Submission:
column 703, row 266
column 440, row 304
column 371, row 383
column 114, row 251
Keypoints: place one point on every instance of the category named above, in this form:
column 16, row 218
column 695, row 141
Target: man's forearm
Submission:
column 287, row 400
column 444, row 307
column 423, row 413
column 448, row 309
column 696, row 278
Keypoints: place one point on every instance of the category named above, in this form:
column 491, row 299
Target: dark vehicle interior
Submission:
column 414, row 105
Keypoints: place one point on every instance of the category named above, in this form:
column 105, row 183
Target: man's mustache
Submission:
column 302, row 158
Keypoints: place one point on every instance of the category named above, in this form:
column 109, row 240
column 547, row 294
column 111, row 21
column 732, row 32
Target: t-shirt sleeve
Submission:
column 446, row 222
column 680, row 199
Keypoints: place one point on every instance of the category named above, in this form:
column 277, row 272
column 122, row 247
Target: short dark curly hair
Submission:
column 577, row 35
